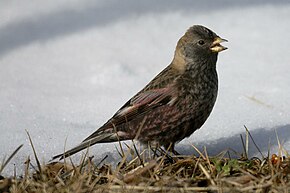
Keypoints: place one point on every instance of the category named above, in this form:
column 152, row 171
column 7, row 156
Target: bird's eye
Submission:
column 201, row 42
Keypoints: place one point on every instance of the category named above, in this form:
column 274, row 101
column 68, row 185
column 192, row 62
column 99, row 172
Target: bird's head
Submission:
column 198, row 44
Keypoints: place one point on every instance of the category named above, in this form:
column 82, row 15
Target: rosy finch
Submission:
column 175, row 103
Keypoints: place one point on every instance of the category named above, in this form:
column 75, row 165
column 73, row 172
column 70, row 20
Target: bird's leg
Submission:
column 170, row 148
column 154, row 150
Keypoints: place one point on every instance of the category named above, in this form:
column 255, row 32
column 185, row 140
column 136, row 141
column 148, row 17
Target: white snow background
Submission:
column 67, row 66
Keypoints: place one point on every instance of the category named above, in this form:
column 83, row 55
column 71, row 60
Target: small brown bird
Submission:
column 175, row 103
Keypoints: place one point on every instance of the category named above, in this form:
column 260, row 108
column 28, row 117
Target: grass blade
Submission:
column 10, row 157
column 34, row 152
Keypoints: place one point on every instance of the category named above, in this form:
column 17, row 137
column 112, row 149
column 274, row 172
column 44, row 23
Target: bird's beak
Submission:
column 216, row 47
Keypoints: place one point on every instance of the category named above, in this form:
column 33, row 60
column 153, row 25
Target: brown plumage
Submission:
column 175, row 103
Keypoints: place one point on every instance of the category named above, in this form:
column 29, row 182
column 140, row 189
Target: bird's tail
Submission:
column 87, row 143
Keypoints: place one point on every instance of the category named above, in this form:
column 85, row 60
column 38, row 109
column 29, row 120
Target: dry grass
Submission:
column 159, row 171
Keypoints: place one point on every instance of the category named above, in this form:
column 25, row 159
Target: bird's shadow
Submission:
column 265, row 139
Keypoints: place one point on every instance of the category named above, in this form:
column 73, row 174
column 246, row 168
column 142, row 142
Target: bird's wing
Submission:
column 137, row 106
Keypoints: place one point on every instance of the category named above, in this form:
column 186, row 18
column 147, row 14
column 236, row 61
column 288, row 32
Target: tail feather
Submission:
column 105, row 137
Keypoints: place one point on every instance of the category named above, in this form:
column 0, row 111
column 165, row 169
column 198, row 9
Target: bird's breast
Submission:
column 199, row 92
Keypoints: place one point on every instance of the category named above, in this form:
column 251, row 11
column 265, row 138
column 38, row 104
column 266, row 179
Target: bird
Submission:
column 172, row 105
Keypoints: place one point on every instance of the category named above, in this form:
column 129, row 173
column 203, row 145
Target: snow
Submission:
column 68, row 66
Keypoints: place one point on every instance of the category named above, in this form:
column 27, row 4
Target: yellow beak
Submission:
column 216, row 47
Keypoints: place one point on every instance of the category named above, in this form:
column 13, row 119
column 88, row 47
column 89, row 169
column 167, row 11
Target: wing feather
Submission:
column 137, row 106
